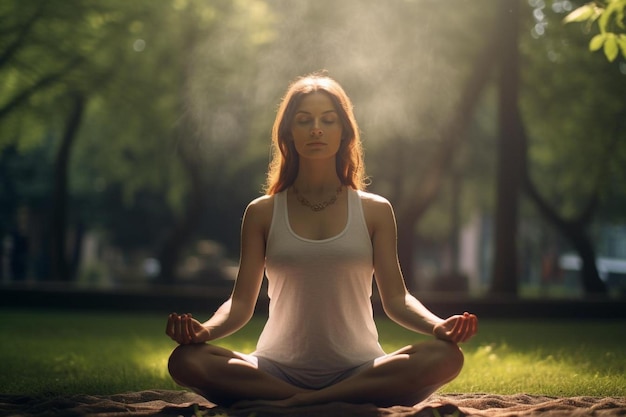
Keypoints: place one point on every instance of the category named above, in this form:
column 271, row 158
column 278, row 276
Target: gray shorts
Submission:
column 307, row 379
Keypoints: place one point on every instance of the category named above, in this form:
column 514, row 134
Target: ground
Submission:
column 184, row 403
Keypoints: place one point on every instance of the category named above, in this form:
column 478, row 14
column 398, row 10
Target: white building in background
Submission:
column 475, row 253
column 544, row 257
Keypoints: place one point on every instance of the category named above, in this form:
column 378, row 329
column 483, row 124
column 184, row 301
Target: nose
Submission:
column 316, row 132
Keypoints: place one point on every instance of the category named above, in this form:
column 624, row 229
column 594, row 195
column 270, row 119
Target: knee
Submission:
column 450, row 358
column 439, row 359
column 180, row 363
column 434, row 364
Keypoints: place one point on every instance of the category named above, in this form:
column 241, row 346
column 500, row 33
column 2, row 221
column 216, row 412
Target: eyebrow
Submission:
column 326, row 112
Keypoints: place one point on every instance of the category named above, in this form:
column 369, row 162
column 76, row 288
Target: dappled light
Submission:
column 511, row 371
column 138, row 129
column 137, row 167
column 71, row 355
column 139, row 45
column 509, row 356
column 150, row 359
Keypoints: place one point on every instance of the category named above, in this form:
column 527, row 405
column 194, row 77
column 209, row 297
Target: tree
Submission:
column 609, row 16
column 573, row 148
column 46, row 60
column 505, row 268
column 216, row 115
column 143, row 130
column 412, row 206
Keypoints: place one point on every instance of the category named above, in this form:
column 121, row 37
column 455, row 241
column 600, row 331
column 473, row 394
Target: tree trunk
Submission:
column 172, row 248
column 422, row 197
column 591, row 282
column 505, row 267
column 575, row 230
column 60, row 268
column 77, row 250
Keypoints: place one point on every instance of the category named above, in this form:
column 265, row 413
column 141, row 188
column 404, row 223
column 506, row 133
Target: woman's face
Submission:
column 316, row 128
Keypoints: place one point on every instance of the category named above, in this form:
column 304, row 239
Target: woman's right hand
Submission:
column 185, row 330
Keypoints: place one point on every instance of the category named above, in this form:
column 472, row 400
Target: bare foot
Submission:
column 287, row 402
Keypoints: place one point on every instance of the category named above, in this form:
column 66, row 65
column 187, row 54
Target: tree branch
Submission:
column 587, row 213
column 24, row 31
column 39, row 85
column 423, row 196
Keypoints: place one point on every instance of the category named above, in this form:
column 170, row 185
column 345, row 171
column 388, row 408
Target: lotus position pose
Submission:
column 321, row 240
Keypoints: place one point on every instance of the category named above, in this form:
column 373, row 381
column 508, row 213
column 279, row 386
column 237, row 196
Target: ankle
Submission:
column 302, row 398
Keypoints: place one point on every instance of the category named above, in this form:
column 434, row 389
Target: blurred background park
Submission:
column 134, row 133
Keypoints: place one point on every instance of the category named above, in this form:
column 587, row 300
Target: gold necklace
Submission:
column 317, row 206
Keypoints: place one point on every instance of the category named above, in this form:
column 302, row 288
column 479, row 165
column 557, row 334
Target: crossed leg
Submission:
column 223, row 377
column 404, row 377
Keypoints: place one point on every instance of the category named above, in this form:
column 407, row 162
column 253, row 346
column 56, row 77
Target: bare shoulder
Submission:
column 378, row 212
column 263, row 203
column 374, row 202
column 260, row 209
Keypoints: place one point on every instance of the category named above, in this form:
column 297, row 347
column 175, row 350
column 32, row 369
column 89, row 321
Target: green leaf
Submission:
column 597, row 42
column 610, row 47
column 621, row 41
column 581, row 14
column 620, row 16
column 603, row 21
column 616, row 7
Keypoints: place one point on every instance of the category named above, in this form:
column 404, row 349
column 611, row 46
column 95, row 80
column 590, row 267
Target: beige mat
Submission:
column 182, row 403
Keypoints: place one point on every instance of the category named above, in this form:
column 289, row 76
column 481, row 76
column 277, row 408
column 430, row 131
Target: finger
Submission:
column 471, row 327
column 455, row 333
column 171, row 323
column 474, row 324
column 184, row 324
column 178, row 329
column 465, row 330
column 458, row 322
column 190, row 330
column 189, row 327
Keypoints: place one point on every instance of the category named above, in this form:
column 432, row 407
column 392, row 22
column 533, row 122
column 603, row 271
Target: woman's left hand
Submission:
column 457, row 329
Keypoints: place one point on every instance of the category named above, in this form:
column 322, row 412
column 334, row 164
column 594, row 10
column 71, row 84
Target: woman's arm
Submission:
column 398, row 303
column 238, row 309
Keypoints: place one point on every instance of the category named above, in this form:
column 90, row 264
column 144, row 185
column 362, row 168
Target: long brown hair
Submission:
column 283, row 167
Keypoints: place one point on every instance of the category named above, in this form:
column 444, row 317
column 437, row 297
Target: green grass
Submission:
column 55, row 353
column 555, row 358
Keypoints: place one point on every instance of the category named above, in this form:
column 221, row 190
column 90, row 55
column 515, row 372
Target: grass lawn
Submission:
column 53, row 353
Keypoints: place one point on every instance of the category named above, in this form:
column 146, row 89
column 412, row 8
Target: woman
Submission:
column 319, row 238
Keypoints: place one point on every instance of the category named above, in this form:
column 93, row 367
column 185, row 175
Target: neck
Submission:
column 317, row 179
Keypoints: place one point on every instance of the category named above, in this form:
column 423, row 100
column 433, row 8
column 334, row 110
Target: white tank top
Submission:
column 320, row 314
